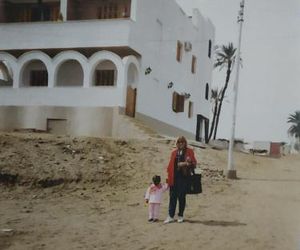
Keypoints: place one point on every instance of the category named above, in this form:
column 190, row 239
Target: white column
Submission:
column 133, row 9
column 51, row 78
column 16, row 78
column 87, row 75
column 231, row 172
column 63, row 9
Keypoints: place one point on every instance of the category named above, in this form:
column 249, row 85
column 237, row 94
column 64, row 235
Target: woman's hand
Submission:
column 183, row 164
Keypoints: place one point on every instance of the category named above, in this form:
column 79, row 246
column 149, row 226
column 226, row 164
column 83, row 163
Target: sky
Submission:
column 269, row 84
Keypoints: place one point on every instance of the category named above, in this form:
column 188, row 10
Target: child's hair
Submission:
column 156, row 179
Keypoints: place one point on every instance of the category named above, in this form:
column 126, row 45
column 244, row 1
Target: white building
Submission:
column 75, row 65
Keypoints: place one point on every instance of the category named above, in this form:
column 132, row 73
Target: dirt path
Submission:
column 259, row 211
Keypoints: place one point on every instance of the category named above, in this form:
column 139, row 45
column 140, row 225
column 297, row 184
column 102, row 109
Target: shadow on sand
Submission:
column 216, row 223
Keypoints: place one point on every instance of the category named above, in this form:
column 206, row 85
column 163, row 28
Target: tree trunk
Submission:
column 222, row 98
column 214, row 119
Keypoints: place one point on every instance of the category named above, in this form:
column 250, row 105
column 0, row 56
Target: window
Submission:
column 206, row 91
column 38, row 78
column 194, row 60
column 178, row 102
column 209, row 48
column 113, row 10
column 105, row 78
column 33, row 12
column 179, row 51
column 191, row 109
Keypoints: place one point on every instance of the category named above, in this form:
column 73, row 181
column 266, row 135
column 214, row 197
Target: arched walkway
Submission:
column 6, row 75
column 69, row 73
column 106, row 60
column 70, row 69
column 34, row 74
column 34, row 68
column 105, row 74
column 10, row 67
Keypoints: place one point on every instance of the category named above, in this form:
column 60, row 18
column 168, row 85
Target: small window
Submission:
column 194, row 61
column 209, row 48
column 105, row 78
column 38, row 78
column 178, row 102
column 179, row 51
column 191, row 109
column 206, row 91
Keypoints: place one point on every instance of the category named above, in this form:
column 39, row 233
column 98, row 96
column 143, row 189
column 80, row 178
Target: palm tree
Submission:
column 215, row 98
column 294, row 129
column 225, row 58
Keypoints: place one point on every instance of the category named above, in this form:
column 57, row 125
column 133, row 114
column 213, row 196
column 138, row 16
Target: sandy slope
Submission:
column 99, row 204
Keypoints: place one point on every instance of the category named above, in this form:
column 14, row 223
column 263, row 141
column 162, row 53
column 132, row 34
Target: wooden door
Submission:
column 130, row 102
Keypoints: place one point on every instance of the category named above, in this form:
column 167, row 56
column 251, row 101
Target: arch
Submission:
column 104, row 55
column 70, row 58
column 34, row 74
column 132, row 70
column 105, row 74
column 9, row 67
column 34, row 56
column 69, row 73
column 10, row 59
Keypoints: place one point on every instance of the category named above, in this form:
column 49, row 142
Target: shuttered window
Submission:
column 105, row 78
column 179, row 51
column 178, row 102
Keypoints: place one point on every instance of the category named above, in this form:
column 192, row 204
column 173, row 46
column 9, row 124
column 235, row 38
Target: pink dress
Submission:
column 154, row 196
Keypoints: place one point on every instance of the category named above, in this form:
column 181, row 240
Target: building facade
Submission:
column 75, row 65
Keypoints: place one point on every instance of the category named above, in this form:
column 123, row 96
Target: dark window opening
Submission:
column 30, row 12
column 209, row 48
column 105, row 78
column 194, row 61
column 39, row 78
column 206, row 91
column 95, row 9
column 191, row 107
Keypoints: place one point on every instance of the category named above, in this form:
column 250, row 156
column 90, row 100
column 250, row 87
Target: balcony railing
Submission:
column 45, row 10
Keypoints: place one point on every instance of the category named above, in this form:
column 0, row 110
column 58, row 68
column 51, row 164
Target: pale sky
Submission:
column 269, row 86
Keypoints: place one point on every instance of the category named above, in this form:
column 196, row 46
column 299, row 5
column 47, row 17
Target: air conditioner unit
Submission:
column 187, row 46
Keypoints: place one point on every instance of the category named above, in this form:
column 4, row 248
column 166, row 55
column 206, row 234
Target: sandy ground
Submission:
column 99, row 204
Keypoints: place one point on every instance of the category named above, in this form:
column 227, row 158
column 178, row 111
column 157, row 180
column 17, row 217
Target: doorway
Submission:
column 130, row 101
column 202, row 129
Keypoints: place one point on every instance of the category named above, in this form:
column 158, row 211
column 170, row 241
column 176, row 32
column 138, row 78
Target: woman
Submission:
column 181, row 165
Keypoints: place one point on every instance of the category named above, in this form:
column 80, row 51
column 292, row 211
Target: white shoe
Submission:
column 180, row 219
column 168, row 220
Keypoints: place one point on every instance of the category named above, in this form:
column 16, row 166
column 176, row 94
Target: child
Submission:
column 154, row 196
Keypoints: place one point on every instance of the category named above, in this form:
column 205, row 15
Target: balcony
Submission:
column 25, row 25
column 12, row 11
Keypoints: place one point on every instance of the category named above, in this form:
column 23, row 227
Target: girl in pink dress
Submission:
column 153, row 197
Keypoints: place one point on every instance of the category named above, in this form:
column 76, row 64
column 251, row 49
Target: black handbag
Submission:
column 194, row 184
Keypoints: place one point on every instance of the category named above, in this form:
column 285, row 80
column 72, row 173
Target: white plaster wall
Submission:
column 70, row 34
column 35, row 117
column 70, row 73
column 154, row 35
column 63, row 96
